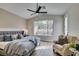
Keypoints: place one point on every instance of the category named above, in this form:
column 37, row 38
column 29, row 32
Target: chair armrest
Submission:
column 58, row 47
column 66, row 46
column 66, row 50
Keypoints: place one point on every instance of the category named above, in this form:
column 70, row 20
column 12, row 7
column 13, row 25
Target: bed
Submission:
column 2, row 46
column 20, row 47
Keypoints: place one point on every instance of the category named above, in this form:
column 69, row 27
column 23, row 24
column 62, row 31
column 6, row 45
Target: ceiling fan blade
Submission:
column 42, row 12
column 38, row 9
column 30, row 10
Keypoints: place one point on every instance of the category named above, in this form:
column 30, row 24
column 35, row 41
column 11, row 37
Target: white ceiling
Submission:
column 20, row 9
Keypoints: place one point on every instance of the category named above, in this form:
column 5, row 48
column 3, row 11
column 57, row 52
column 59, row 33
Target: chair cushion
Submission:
column 62, row 40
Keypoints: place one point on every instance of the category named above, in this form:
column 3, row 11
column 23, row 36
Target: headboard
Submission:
column 8, row 35
column 11, row 32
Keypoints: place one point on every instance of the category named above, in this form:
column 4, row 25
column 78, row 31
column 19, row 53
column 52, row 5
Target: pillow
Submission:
column 65, row 41
column 7, row 38
column 62, row 40
column 19, row 36
column 72, row 42
column 72, row 45
column 1, row 38
column 14, row 37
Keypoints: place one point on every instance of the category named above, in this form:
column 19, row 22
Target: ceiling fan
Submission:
column 38, row 10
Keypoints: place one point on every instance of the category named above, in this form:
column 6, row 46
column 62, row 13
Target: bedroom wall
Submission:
column 73, row 20
column 11, row 21
column 58, row 26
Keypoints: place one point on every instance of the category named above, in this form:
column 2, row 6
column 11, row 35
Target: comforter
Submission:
column 21, row 47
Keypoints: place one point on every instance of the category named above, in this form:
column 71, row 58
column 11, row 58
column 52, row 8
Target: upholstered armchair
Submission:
column 62, row 45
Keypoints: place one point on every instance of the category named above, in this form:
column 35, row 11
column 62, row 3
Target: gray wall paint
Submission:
column 58, row 26
column 73, row 20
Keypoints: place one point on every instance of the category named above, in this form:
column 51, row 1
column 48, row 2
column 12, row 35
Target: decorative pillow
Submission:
column 14, row 37
column 1, row 38
column 73, row 42
column 18, row 36
column 7, row 38
column 65, row 41
column 62, row 40
column 72, row 45
column 21, row 35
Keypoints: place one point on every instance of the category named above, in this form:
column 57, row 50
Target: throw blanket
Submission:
column 21, row 47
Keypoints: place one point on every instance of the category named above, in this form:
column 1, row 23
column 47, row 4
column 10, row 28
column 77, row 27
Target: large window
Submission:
column 43, row 27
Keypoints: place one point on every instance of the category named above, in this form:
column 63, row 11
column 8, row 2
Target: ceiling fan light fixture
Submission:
column 39, row 10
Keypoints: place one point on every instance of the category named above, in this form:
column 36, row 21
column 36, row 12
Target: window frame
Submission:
column 47, row 26
column 66, row 25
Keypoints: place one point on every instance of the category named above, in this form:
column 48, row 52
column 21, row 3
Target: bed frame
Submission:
column 11, row 32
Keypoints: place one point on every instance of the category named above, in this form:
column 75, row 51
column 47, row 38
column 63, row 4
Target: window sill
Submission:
column 43, row 35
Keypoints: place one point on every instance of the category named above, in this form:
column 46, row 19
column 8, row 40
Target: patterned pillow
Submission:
column 19, row 36
column 62, row 40
column 7, row 38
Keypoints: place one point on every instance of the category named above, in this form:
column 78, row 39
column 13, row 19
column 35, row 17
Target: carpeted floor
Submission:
column 45, row 49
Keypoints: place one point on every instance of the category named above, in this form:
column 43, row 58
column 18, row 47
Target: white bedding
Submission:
column 23, row 47
column 3, row 44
